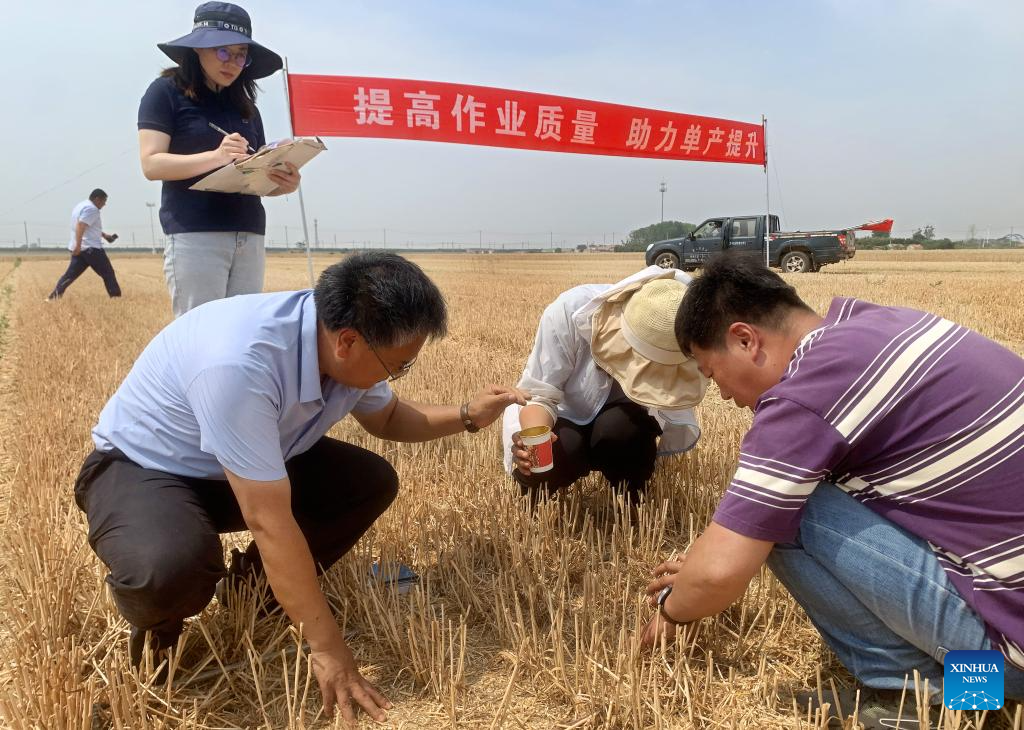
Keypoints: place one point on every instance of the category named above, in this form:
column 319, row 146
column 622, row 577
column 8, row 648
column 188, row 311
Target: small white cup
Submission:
column 537, row 440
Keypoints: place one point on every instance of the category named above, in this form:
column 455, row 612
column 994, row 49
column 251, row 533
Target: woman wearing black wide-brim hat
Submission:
column 215, row 245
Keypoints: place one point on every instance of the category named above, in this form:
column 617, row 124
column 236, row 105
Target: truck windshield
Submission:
column 711, row 229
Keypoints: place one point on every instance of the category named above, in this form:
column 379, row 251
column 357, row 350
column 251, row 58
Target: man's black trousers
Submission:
column 158, row 533
column 621, row 443
column 98, row 261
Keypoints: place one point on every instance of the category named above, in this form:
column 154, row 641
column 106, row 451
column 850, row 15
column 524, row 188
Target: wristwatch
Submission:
column 466, row 420
column 662, row 597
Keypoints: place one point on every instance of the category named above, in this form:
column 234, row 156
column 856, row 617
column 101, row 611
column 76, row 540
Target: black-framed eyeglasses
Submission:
column 402, row 371
column 242, row 59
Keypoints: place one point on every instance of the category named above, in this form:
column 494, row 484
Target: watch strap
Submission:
column 467, row 422
column 662, row 598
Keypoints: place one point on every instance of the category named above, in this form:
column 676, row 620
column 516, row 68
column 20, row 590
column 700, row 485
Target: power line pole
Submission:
column 25, row 223
column 663, row 187
column 316, row 232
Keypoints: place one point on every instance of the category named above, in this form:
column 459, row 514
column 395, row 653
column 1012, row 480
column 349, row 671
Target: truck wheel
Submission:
column 796, row 262
column 667, row 260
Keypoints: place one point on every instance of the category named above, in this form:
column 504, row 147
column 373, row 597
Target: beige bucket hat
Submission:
column 633, row 340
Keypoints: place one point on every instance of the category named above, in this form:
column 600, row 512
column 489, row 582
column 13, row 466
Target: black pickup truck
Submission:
column 794, row 252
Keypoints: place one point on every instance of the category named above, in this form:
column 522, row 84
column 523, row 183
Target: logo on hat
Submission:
column 223, row 24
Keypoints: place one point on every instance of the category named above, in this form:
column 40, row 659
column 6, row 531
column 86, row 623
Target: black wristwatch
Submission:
column 662, row 597
column 466, row 420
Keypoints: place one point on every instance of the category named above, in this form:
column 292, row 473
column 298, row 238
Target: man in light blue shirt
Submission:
column 86, row 246
column 220, row 426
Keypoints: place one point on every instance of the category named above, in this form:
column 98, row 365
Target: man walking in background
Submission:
column 86, row 246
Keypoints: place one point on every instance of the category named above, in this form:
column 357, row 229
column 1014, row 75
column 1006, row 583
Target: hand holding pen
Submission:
column 233, row 146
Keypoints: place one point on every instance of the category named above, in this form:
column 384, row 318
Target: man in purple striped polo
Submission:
column 882, row 479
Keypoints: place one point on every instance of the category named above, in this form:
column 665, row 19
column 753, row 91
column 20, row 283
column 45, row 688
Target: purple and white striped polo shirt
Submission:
column 920, row 419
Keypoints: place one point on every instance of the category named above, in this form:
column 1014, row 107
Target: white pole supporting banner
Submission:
column 302, row 203
column 767, row 200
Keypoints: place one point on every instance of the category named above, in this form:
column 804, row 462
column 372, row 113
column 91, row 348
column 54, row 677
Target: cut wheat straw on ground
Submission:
column 520, row 620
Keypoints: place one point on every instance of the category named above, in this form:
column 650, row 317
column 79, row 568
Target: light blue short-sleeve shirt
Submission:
column 233, row 384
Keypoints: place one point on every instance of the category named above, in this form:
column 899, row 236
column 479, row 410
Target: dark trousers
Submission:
column 98, row 261
column 158, row 533
column 621, row 443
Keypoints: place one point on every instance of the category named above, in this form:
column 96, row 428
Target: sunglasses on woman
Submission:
column 242, row 59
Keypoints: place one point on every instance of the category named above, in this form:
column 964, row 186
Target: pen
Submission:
column 218, row 129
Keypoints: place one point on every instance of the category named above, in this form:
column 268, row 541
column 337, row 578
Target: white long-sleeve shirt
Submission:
column 564, row 379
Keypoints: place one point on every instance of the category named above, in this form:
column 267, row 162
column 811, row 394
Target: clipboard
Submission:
column 249, row 176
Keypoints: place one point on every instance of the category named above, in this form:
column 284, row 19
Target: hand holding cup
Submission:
column 532, row 449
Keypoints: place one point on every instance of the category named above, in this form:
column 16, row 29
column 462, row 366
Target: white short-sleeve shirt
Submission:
column 86, row 212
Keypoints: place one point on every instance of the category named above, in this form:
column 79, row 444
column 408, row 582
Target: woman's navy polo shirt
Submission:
column 166, row 109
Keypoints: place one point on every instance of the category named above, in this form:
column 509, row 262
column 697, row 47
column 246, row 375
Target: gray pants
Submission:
column 204, row 266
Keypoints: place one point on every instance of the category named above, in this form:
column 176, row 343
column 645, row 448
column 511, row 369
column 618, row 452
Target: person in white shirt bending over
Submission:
column 86, row 246
column 607, row 376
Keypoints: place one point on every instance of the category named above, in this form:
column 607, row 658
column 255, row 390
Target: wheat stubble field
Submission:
column 520, row 621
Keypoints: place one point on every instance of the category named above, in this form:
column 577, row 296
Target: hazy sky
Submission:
column 882, row 108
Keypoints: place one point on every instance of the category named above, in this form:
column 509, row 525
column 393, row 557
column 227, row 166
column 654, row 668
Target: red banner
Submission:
column 432, row 111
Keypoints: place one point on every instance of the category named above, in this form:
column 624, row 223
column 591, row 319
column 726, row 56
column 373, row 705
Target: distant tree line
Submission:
column 925, row 237
column 640, row 238
column 887, row 242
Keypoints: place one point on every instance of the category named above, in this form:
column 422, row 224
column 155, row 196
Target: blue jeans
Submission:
column 204, row 266
column 878, row 595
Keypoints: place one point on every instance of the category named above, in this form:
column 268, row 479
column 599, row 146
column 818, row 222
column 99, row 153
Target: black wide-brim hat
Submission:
column 223, row 24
